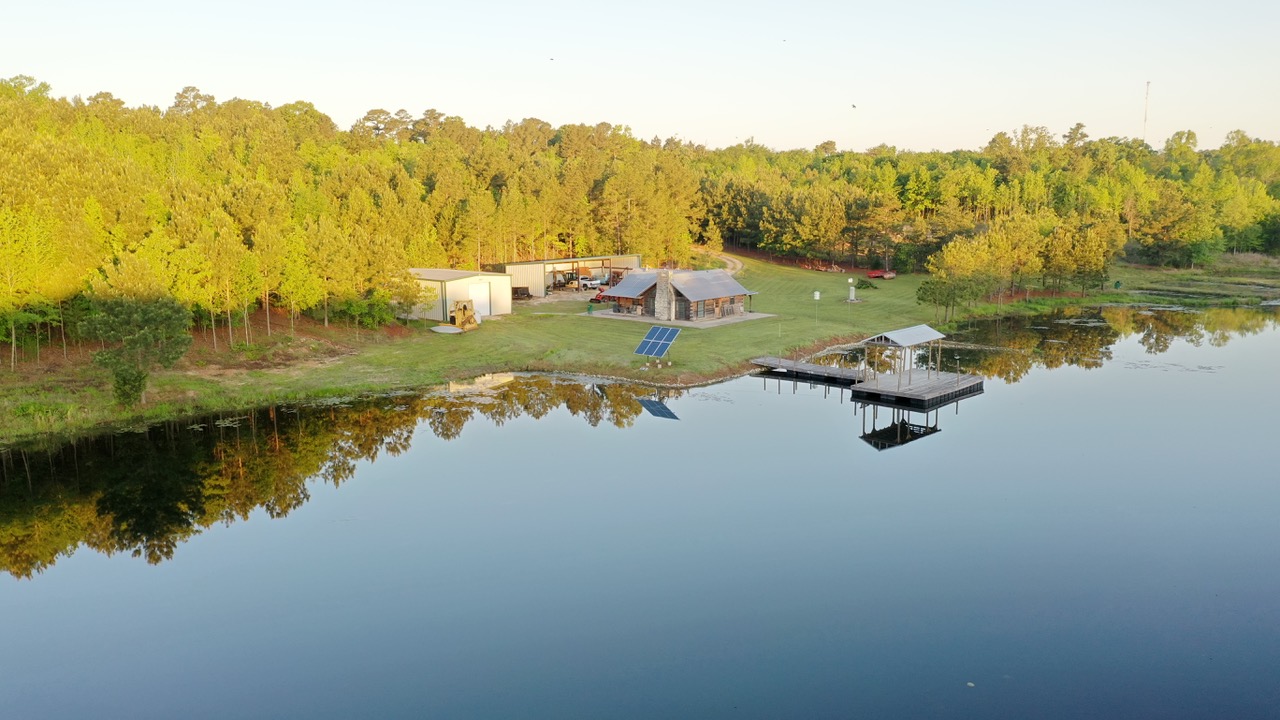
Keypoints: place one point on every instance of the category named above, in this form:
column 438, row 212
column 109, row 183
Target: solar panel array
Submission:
column 657, row 409
column 658, row 341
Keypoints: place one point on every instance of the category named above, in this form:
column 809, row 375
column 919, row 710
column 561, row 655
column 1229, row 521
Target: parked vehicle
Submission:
column 587, row 282
column 598, row 297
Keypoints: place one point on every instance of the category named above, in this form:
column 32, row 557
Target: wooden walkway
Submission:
column 810, row 370
column 924, row 390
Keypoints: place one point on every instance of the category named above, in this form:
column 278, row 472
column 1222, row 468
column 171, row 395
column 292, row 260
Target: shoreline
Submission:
column 68, row 399
column 36, row 437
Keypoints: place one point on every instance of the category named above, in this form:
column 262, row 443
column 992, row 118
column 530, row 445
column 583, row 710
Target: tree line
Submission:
column 233, row 206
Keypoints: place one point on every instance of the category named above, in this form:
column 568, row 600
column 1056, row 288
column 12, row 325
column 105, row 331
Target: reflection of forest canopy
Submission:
column 1074, row 336
column 146, row 492
column 1082, row 337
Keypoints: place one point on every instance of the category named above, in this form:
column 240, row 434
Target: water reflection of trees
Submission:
column 1008, row 348
column 1084, row 337
column 146, row 492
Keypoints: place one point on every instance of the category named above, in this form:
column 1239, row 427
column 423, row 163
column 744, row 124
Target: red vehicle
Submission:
column 886, row 274
column 598, row 298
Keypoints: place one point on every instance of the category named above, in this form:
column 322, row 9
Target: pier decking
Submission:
column 921, row 389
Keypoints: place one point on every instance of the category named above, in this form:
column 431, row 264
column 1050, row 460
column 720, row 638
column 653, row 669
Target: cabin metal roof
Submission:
column 695, row 285
column 632, row 285
column 906, row 337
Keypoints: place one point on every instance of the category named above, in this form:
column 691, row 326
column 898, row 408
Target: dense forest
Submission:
column 232, row 206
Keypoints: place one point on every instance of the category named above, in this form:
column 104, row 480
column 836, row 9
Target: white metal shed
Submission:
column 489, row 292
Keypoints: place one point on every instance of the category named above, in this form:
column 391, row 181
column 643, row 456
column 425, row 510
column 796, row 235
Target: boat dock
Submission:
column 922, row 389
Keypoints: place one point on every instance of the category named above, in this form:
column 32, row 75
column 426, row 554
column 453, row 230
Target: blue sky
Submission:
column 923, row 75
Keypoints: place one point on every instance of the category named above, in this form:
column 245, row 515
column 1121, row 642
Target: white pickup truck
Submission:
column 586, row 282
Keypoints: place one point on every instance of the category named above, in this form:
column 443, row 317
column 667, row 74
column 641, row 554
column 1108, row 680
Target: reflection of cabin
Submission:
column 489, row 293
column 538, row 277
column 680, row 295
column 484, row 383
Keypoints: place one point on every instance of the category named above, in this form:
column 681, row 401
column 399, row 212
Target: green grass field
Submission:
column 559, row 337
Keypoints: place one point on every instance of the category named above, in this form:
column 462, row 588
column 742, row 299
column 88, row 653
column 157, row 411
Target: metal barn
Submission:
column 490, row 293
column 541, row 276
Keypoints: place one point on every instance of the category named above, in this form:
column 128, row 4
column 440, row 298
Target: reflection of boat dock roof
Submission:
column 898, row 433
column 902, row 428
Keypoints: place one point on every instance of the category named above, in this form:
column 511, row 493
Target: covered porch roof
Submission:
column 906, row 337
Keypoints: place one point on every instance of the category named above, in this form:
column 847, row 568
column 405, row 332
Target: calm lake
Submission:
column 1095, row 535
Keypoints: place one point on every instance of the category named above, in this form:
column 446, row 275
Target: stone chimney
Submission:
column 664, row 298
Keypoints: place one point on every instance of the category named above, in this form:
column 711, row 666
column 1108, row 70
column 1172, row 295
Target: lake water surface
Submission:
column 1094, row 536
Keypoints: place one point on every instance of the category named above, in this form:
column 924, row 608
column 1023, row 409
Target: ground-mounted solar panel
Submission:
column 657, row 341
column 656, row 408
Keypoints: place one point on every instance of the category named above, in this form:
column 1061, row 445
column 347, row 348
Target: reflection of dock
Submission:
column 907, row 423
column 923, row 389
column 897, row 433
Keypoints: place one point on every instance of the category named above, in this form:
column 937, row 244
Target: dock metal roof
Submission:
column 906, row 337
column 693, row 284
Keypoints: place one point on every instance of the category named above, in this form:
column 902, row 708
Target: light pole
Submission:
column 957, row 356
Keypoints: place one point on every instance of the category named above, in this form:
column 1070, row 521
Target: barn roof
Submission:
column 693, row 284
column 573, row 260
column 906, row 337
column 445, row 275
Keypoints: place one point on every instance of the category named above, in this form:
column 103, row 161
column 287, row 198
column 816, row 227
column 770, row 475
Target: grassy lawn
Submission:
column 550, row 336
column 1233, row 279
column 558, row 337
